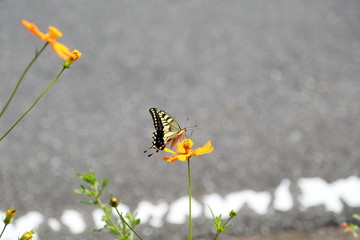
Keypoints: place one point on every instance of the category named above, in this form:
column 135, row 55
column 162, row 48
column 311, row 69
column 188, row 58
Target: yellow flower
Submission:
column 49, row 37
column 184, row 151
column 10, row 213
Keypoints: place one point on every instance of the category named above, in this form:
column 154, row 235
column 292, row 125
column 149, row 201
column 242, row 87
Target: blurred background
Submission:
column 274, row 85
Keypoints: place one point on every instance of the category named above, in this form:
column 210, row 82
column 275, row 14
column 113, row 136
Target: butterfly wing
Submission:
column 167, row 129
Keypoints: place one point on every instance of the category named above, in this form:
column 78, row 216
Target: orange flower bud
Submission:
column 114, row 202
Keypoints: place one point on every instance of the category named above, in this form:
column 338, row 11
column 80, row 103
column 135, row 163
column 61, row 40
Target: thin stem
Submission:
column 102, row 206
column 31, row 107
column 124, row 222
column 190, row 197
column 37, row 54
column 227, row 221
column 3, row 230
column 218, row 232
column 217, row 235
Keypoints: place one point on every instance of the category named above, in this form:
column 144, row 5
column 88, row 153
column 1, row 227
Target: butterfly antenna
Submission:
column 191, row 130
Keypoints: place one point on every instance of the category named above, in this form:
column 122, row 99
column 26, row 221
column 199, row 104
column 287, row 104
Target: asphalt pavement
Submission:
column 274, row 85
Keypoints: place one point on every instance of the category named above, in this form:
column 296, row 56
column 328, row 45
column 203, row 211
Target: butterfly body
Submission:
column 167, row 129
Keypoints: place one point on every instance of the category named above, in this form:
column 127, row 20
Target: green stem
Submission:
column 3, row 230
column 218, row 232
column 31, row 107
column 190, row 197
column 124, row 222
column 37, row 54
column 227, row 221
column 102, row 206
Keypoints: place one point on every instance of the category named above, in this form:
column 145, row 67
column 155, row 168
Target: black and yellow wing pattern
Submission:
column 167, row 129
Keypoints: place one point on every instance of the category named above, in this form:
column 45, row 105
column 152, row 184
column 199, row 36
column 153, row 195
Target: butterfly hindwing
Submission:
column 166, row 129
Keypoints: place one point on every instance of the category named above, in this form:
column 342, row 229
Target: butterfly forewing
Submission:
column 166, row 129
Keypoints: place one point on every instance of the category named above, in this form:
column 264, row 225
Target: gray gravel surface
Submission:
column 273, row 84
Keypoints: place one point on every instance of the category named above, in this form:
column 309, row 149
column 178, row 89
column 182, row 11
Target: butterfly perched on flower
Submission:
column 167, row 130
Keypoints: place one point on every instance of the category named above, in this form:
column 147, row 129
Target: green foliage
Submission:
column 218, row 225
column 93, row 190
column 123, row 228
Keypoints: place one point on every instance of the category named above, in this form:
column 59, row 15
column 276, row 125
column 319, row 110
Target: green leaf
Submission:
column 105, row 183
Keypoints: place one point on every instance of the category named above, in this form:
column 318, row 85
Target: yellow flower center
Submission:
column 76, row 54
column 187, row 145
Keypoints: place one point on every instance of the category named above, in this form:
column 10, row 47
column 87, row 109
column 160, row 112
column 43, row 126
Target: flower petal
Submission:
column 169, row 151
column 32, row 28
column 207, row 148
column 170, row 159
column 53, row 34
column 180, row 147
column 61, row 50
column 184, row 151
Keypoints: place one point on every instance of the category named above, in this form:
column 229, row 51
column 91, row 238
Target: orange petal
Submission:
column 207, row 148
column 32, row 28
column 61, row 50
column 170, row 159
column 53, row 34
column 180, row 147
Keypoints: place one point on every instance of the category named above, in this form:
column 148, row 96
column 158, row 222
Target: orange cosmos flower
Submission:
column 50, row 37
column 184, row 151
